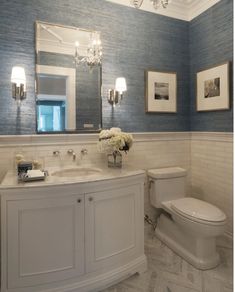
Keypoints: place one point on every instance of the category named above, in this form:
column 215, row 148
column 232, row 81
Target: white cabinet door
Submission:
column 45, row 239
column 113, row 227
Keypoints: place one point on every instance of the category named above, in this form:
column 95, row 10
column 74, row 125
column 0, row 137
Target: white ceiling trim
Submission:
column 180, row 9
column 198, row 7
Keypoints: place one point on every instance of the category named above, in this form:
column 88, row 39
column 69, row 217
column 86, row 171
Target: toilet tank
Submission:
column 166, row 184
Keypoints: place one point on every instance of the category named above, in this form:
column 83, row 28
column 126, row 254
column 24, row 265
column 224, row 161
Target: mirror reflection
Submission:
column 68, row 78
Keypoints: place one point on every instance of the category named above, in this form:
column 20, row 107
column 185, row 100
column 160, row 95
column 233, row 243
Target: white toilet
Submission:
column 189, row 226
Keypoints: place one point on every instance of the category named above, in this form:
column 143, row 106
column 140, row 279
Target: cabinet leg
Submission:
column 142, row 269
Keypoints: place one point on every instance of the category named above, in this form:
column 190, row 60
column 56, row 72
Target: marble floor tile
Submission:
column 167, row 272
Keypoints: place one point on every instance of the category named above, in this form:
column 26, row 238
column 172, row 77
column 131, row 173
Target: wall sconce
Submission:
column 18, row 81
column 115, row 95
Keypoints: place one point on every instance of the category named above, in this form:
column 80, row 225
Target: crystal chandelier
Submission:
column 156, row 3
column 94, row 52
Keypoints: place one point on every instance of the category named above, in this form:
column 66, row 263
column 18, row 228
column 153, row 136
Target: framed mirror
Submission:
column 68, row 79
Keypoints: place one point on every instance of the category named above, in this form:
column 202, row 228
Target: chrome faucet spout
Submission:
column 71, row 152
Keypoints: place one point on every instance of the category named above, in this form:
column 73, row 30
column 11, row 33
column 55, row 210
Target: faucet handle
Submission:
column 56, row 153
column 70, row 151
column 84, row 151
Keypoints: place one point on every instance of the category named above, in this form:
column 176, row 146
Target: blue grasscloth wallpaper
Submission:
column 211, row 43
column 133, row 41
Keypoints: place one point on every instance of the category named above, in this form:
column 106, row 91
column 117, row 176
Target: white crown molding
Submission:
column 52, row 46
column 198, row 7
column 179, row 9
column 173, row 10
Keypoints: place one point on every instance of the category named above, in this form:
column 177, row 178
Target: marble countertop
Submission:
column 10, row 179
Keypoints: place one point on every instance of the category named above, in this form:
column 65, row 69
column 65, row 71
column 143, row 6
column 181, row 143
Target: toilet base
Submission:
column 199, row 252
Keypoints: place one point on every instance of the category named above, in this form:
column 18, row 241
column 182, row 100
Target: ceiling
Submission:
column 180, row 9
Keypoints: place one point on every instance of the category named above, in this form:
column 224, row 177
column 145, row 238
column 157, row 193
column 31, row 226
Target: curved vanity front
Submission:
column 78, row 235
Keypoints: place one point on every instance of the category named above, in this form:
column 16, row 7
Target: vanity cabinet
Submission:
column 113, row 224
column 72, row 238
column 45, row 240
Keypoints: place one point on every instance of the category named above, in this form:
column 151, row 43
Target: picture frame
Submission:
column 160, row 92
column 212, row 88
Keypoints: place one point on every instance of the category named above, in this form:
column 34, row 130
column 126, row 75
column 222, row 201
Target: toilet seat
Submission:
column 198, row 211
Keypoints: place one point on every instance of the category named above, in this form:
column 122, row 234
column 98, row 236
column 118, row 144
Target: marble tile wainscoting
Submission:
column 150, row 150
column 206, row 156
column 212, row 171
column 208, row 160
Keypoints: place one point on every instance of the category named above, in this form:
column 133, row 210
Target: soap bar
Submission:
column 35, row 173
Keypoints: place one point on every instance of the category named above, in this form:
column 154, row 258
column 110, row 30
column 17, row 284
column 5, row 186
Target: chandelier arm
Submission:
column 137, row 3
column 156, row 3
column 164, row 3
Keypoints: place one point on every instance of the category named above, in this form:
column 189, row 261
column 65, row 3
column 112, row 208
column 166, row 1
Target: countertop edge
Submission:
column 46, row 184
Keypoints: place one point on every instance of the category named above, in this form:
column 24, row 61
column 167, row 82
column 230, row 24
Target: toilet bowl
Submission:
column 196, row 216
column 189, row 226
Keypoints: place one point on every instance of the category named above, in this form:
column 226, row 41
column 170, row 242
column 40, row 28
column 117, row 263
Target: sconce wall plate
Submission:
column 115, row 95
column 18, row 91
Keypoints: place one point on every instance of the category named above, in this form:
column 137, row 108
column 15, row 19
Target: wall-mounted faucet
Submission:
column 71, row 152
column 84, row 151
column 56, row 153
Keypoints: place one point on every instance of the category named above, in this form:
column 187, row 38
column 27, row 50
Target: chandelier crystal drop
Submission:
column 94, row 52
column 156, row 3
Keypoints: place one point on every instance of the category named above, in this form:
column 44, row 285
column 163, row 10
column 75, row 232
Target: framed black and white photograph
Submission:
column 161, row 88
column 213, row 88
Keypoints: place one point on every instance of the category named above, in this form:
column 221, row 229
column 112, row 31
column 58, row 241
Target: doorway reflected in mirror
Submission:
column 68, row 94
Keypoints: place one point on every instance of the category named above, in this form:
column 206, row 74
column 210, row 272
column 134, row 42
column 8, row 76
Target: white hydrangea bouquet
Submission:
column 114, row 140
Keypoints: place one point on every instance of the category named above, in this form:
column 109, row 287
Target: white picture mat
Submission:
column 154, row 105
column 216, row 102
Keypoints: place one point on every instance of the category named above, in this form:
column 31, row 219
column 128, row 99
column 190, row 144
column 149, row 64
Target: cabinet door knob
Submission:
column 90, row 199
column 79, row 200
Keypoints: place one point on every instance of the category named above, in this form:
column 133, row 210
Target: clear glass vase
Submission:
column 115, row 159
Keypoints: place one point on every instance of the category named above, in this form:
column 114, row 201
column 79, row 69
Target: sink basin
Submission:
column 73, row 172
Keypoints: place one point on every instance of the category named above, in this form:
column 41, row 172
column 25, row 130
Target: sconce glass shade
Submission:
column 120, row 85
column 18, row 80
column 18, row 76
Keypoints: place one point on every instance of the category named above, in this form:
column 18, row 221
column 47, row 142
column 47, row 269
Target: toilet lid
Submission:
column 198, row 209
column 167, row 172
